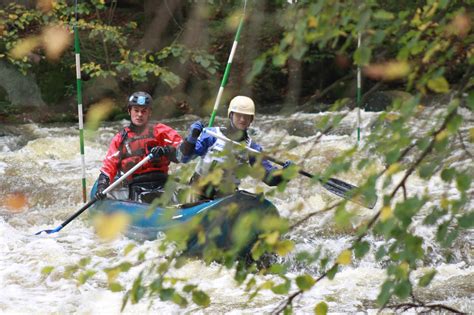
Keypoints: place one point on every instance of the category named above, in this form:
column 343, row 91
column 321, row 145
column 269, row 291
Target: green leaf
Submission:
column 426, row 171
column 383, row 15
column 343, row 217
column 179, row 300
column 305, row 282
column 278, row 269
column 137, row 291
column 167, row 294
column 450, row 238
column 360, row 249
column 47, row 270
column 115, row 287
column 439, row 85
column 442, row 231
column 385, row 293
column 454, row 124
column 403, row 289
column 433, row 217
column 257, row 68
column 321, row 308
column 128, row 249
column 332, row 272
column 425, row 280
column 463, row 181
column 201, row 298
column 188, row 288
column 448, row 174
column 279, row 59
column 470, row 100
column 282, row 288
column 86, row 275
column 84, row 261
column 467, row 220
column 362, row 56
column 125, row 266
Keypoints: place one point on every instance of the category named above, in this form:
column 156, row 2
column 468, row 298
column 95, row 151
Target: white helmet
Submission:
column 242, row 105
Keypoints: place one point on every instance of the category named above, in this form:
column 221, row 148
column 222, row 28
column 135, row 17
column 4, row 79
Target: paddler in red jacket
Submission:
column 132, row 145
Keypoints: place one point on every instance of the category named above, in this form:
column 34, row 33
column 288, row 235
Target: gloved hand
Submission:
column 102, row 183
column 160, row 151
column 287, row 164
column 194, row 131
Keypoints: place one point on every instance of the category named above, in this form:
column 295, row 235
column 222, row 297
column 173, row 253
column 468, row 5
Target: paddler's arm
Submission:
column 270, row 178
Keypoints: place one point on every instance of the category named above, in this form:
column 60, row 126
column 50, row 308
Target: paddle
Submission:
column 333, row 185
column 94, row 199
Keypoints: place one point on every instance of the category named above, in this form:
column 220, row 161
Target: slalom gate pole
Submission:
column 227, row 68
column 359, row 91
column 79, row 101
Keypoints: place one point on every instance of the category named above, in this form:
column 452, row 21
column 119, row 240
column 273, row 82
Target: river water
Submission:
column 40, row 170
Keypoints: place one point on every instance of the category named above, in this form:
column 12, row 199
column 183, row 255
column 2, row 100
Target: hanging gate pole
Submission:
column 359, row 88
column 79, row 103
column 227, row 68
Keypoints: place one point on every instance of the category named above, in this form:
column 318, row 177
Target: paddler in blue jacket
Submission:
column 211, row 150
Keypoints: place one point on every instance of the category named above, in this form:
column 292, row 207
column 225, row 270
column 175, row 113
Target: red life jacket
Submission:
column 136, row 148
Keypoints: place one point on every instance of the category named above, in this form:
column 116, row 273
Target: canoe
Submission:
column 216, row 217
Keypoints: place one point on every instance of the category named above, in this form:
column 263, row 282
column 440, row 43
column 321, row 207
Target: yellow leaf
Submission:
column 284, row 247
column 345, row 257
column 55, row 40
column 112, row 274
column 394, row 168
column 45, row 5
column 13, row 16
column 444, row 203
column 420, row 108
column 321, row 309
column 391, row 70
column 442, row 135
column 267, row 285
column 272, row 238
column 98, row 112
column 24, row 47
column 386, row 213
column 312, row 22
column 460, row 26
column 471, row 134
column 392, row 116
column 404, row 267
column 109, row 227
column 438, row 85
column 430, row 53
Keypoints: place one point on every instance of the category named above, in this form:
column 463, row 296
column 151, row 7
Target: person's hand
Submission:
column 99, row 195
column 287, row 164
column 194, row 131
column 102, row 183
column 158, row 151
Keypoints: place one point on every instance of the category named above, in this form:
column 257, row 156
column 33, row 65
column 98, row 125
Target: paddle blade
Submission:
column 346, row 191
column 55, row 230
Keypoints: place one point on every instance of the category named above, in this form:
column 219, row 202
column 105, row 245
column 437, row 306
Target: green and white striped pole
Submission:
column 359, row 91
column 79, row 103
column 227, row 68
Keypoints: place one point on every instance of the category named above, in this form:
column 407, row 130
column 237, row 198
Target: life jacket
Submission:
column 135, row 148
column 214, row 156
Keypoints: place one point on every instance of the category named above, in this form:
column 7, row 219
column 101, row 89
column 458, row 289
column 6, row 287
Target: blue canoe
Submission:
column 222, row 213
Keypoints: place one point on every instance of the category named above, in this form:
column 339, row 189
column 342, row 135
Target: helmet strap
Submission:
column 231, row 119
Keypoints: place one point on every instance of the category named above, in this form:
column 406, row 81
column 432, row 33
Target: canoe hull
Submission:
column 226, row 222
